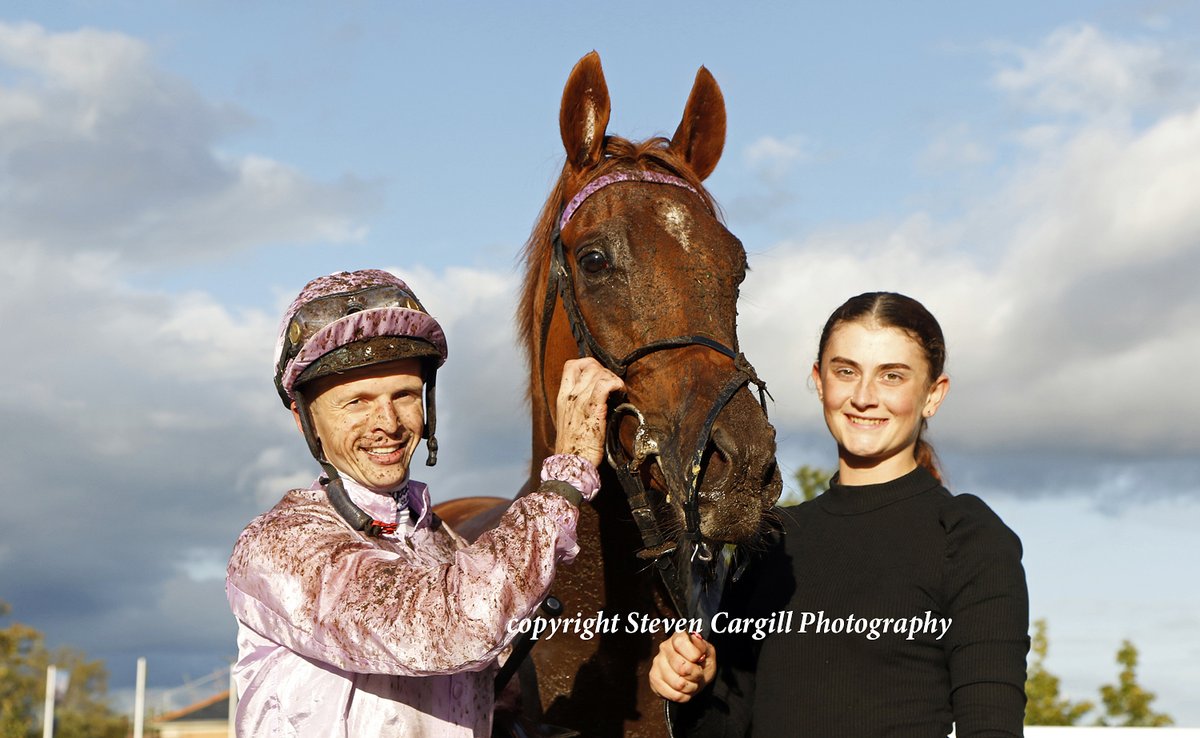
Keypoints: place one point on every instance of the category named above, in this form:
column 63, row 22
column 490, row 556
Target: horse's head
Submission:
column 631, row 263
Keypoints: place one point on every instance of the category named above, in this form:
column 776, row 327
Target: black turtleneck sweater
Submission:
column 874, row 558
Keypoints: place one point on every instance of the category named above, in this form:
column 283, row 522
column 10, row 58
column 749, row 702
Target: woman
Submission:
column 908, row 606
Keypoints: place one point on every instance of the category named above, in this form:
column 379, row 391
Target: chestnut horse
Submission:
column 629, row 262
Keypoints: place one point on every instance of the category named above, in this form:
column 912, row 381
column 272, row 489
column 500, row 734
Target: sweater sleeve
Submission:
column 989, row 637
column 305, row 580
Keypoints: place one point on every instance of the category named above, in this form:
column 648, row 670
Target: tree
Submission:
column 1126, row 703
column 1043, row 704
column 812, row 482
column 18, row 684
column 83, row 711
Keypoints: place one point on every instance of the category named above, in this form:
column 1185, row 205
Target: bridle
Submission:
column 657, row 547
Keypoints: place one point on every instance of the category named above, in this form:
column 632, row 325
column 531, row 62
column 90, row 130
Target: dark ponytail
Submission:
column 926, row 456
column 893, row 310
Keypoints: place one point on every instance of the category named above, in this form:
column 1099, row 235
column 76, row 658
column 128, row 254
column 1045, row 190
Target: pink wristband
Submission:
column 575, row 471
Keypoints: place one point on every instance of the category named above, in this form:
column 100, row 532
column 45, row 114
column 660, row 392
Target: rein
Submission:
column 657, row 547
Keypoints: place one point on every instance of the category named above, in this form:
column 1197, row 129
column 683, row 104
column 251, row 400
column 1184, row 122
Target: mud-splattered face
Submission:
column 370, row 421
column 651, row 263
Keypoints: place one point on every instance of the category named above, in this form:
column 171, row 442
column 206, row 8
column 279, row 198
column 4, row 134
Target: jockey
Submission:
column 359, row 612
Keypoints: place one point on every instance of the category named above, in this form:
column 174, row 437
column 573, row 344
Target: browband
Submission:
column 628, row 175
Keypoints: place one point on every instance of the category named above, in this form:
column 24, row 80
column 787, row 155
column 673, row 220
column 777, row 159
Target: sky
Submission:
column 172, row 173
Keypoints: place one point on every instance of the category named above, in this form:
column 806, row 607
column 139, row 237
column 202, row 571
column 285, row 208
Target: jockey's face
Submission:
column 370, row 421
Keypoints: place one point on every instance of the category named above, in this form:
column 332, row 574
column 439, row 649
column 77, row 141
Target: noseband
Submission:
column 657, row 546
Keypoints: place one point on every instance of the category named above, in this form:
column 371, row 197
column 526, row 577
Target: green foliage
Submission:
column 19, row 684
column 1126, row 703
column 811, row 481
column 1043, row 704
column 82, row 712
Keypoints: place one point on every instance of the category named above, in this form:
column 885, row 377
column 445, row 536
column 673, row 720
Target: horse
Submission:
column 629, row 262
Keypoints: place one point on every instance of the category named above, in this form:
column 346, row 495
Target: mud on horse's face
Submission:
column 655, row 277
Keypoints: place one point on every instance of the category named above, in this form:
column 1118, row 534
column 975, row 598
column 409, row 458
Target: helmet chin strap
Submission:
column 431, row 444
column 335, row 490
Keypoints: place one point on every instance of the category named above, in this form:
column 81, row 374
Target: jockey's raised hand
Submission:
column 583, row 408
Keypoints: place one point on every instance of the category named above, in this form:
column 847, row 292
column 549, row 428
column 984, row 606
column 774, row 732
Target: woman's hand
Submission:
column 685, row 664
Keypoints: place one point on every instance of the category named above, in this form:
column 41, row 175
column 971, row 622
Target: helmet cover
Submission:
column 352, row 320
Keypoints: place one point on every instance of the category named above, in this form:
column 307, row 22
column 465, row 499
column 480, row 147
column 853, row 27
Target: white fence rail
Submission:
column 1093, row 732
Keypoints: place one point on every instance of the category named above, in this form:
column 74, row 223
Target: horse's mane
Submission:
column 619, row 153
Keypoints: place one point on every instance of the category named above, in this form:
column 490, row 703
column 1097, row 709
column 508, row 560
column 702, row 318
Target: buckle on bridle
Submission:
column 645, row 446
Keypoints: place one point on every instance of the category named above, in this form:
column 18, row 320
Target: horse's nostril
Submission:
column 724, row 444
column 721, row 451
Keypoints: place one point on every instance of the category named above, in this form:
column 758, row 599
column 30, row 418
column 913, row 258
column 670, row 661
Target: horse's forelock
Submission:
column 619, row 153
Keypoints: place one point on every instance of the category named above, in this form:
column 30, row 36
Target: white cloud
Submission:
column 200, row 340
column 1064, row 292
column 105, row 153
column 86, row 60
column 276, row 470
column 774, row 158
column 131, row 410
column 956, row 147
column 1041, row 137
column 1080, row 70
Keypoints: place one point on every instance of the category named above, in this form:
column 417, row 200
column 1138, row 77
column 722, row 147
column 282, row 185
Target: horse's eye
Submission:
column 593, row 262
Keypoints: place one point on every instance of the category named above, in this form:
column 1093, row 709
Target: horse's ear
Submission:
column 700, row 137
column 583, row 117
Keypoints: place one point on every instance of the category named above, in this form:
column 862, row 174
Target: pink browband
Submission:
column 600, row 183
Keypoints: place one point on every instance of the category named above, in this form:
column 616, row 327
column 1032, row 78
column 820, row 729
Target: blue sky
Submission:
column 172, row 173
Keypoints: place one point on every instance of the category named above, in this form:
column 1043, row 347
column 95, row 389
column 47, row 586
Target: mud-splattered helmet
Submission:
column 351, row 320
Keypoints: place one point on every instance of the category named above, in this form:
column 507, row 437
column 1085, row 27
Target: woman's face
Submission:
column 875, row 388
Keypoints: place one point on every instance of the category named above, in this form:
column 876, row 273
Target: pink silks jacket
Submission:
column 344, row 635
